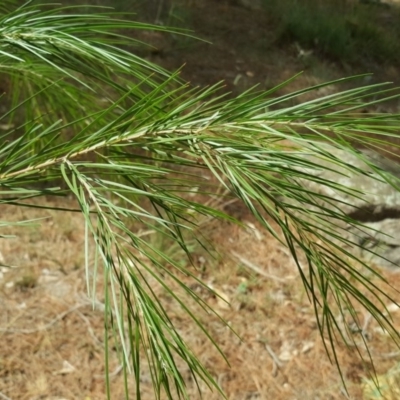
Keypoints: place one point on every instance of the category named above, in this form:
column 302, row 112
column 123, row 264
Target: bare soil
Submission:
column 52, row 334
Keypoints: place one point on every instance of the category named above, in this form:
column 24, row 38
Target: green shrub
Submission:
column 344, row 31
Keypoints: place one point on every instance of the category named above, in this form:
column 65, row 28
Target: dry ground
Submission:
column 52, row 340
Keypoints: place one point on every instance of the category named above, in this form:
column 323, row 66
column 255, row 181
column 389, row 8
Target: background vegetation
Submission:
column 346, row 31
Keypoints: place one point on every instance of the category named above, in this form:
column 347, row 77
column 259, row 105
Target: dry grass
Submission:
column 52, row 340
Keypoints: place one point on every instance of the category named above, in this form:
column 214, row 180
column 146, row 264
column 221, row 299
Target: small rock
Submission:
column 376, row 205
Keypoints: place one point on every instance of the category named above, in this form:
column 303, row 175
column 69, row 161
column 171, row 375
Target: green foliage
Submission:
column 342, row 30
column 41, row 49
column 130, row 162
